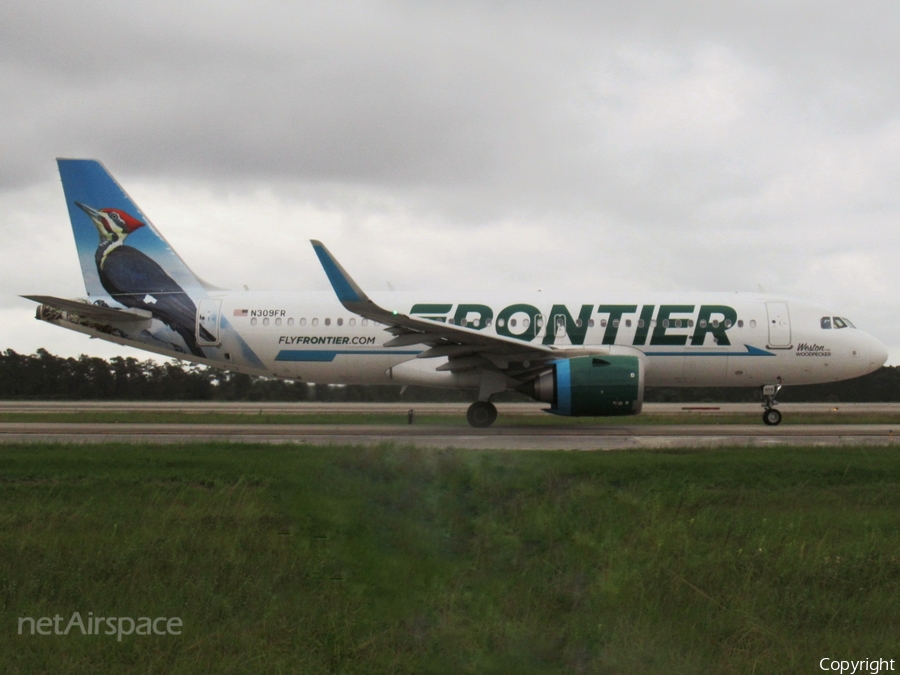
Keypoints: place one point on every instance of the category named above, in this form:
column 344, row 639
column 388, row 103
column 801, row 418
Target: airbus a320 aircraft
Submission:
column 590, row 356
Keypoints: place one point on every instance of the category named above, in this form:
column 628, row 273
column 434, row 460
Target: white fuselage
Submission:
column 743, row 340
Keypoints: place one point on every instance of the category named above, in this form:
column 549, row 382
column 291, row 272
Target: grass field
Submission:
column 281, row 559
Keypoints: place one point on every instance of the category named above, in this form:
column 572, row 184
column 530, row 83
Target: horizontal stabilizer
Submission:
column 95, row 312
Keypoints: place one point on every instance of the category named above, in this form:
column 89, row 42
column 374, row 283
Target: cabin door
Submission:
column 779, row 325
column 208, row 321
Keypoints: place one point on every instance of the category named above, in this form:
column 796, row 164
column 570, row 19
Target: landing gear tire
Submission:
column 772, row 417
column 481, row 414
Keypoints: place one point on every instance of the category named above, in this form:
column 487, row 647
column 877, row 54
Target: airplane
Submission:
column 593, row 356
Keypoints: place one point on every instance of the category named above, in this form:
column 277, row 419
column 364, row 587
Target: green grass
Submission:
column 453, row 419
column 397, row 560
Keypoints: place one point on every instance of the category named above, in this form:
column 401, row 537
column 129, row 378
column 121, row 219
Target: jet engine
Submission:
column 591, row 386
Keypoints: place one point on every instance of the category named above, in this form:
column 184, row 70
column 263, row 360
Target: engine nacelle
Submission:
column 591, row 386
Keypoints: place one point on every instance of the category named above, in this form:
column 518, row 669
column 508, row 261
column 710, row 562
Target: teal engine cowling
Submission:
column 591, row 386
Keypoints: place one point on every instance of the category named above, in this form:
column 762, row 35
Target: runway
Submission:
column 511, row 438
column 508, row 433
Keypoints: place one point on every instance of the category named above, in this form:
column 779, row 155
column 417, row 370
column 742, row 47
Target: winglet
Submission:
column 346, row 289
column 354, row 299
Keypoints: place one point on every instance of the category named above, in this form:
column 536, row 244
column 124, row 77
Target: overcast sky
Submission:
column 575, row 147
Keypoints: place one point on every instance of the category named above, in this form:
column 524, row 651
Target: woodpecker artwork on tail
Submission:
column 135, row 280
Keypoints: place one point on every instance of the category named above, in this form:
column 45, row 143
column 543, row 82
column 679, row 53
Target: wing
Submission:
column 466, row 348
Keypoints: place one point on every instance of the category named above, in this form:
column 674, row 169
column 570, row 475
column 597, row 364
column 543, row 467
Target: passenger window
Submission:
column 826, row 322
column 266, row 321
column 303, row 322
column 526, row 322
column 340, row 322
column 615, row 323
column 640, row 323
column 277, row 322
column 352, row 322
column 253, row 321
column 703, row 323
column 752, row 323
column 839, row 322
column 628, row 323
column 591, row 323
column 578, row 323
column 315, row 322
column 740, row 323
column 727, row 323
column 501, row 322
column 291, row 321
column 364, row 322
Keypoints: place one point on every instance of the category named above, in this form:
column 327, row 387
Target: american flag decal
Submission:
column 241, row 312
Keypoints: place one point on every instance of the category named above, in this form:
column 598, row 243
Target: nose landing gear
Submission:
column 771, row 416
column 481, row 414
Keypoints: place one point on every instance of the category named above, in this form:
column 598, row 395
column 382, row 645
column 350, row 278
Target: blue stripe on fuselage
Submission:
column 328, row 355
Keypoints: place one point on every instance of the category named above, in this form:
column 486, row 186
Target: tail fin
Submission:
column 88, row 187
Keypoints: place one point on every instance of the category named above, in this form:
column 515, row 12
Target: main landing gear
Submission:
column 771, row 416
column 481, row 414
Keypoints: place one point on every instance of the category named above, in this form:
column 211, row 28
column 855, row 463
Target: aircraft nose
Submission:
column 878, row 353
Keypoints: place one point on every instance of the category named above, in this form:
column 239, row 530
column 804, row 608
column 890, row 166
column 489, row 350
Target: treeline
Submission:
column 43, row 376
column 882, row 386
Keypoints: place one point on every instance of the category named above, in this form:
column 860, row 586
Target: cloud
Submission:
column 576, row 145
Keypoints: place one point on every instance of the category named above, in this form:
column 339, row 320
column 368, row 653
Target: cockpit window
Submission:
column 839, row 322
column 826, row 322
column 848, row 322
